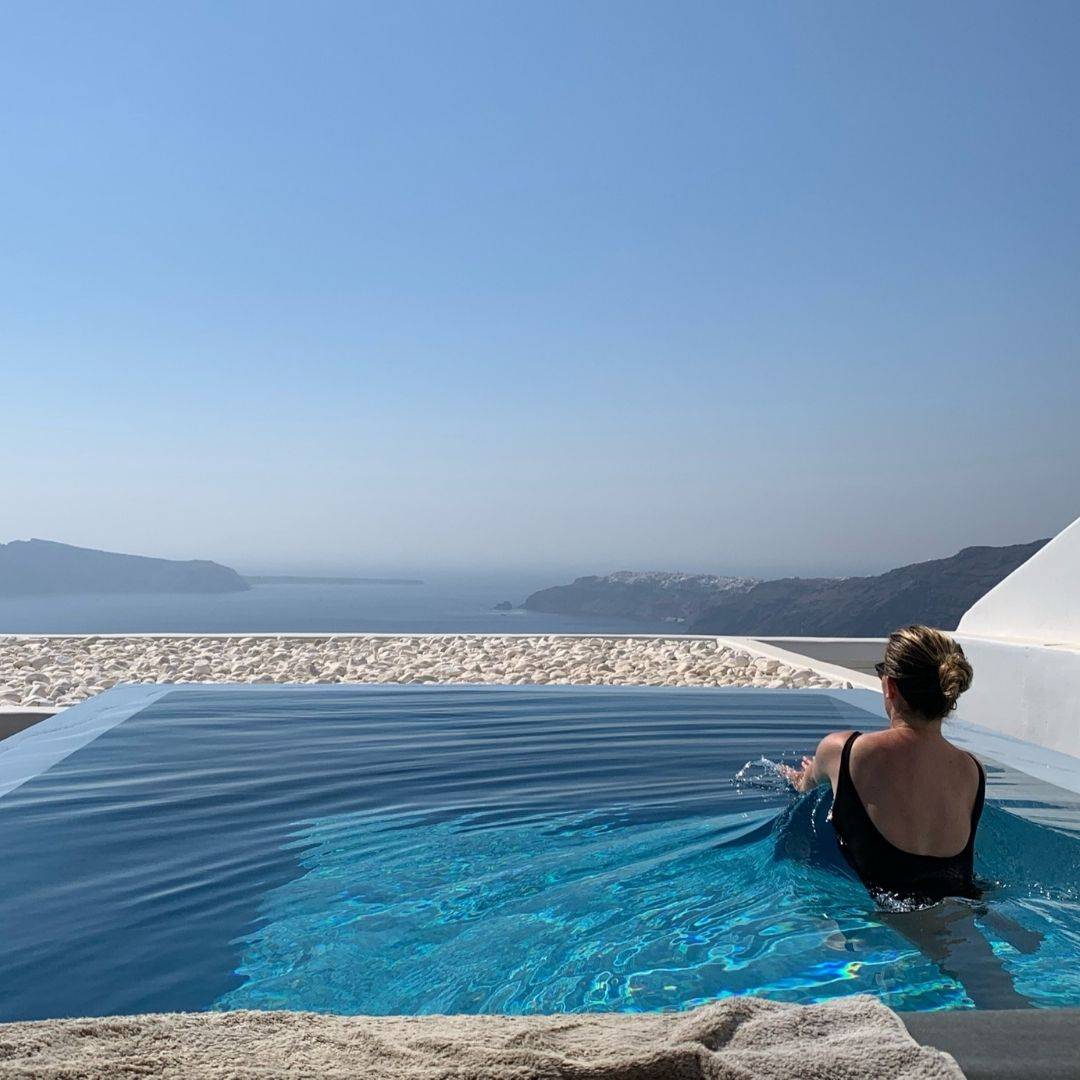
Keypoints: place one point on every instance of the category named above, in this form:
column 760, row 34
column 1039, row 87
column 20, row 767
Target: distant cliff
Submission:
column 651, row 595
column 32, row 567
column 937, row 593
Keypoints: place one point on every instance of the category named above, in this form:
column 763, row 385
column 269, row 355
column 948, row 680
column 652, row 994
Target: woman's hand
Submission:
column 801, row 779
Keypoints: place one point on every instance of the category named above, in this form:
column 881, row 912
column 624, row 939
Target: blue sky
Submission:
column 753, row 287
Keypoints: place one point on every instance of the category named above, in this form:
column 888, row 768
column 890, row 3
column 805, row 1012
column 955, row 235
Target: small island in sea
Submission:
column 289, row 579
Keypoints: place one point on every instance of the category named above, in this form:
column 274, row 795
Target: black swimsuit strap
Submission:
column 845, row 761
column 845, row 786
column 980, row 798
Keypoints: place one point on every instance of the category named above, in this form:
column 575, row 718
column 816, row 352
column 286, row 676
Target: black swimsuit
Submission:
column 884, row 867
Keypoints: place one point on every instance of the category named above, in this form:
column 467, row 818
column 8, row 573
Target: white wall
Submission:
column 1039, row 601
column 1030, row 692
column 1023, row 641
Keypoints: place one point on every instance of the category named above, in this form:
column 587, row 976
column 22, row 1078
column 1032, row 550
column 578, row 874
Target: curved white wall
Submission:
column 1023, row 640
column 1039, row 601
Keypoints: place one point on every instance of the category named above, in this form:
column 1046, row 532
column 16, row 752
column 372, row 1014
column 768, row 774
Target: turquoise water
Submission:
column 584, row 912
column 420, row 850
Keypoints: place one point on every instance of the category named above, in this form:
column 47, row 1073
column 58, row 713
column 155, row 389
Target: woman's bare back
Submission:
column 919, row 791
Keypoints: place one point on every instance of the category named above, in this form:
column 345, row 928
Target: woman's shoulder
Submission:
column 834, row 742
column 969, row 762
column 877, row 749
column 831, row 749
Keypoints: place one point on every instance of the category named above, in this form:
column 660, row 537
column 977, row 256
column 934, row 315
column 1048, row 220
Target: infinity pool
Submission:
column 485, row 849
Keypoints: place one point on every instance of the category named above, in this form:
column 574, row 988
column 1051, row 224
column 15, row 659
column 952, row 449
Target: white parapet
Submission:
column 846, row 677
column 1023, row 641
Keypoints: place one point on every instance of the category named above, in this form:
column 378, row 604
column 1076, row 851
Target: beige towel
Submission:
column 734, row 1039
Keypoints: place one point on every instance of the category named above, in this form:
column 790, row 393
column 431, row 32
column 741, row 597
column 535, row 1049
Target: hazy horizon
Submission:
column 552, row 288
column 540, row 573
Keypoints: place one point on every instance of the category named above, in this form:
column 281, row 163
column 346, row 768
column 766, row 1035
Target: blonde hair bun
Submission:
column 930, row 669
column 954, row 675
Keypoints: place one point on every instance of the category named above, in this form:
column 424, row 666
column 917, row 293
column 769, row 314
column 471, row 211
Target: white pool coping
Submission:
column 35, row 749
column 858, row 679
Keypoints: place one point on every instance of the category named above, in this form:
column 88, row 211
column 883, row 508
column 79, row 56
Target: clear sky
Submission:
column 749, row 287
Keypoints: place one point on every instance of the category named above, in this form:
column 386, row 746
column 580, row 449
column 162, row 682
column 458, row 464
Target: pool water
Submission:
column 483, row 849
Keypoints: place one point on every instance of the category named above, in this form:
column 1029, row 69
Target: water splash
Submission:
column 761, row 775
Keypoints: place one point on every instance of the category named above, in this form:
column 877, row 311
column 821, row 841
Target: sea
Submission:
column 442, row 603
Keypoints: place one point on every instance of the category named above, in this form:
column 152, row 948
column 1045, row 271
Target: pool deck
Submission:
column 998, row 1044
column 852, row 654
column 13, row 721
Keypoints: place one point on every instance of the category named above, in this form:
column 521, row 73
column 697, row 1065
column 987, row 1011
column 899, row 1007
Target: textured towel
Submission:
column 734, row 1039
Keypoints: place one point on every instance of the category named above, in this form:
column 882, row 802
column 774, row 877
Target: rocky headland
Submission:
column 45, row 567
column 937, row 593
column 651, row 594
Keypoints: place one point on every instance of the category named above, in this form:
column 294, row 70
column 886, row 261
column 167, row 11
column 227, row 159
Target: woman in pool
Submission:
column 906, row 802
column 906, row 805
